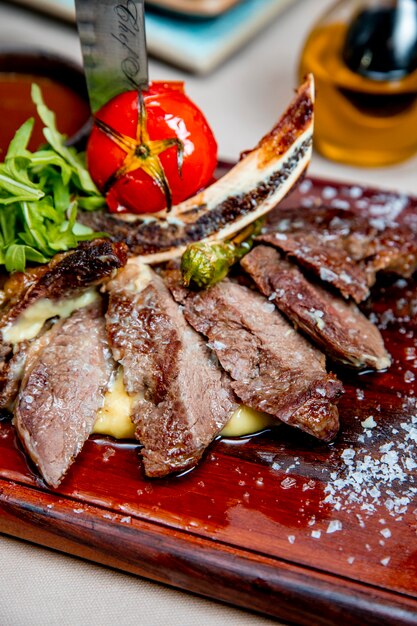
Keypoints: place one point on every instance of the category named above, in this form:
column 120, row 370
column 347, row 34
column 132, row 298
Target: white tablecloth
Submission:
column 242, row 100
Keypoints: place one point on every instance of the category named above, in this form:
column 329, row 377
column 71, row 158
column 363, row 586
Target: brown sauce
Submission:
column 16, row 106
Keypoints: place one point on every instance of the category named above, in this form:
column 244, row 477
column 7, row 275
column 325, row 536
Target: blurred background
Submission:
column 240, row 65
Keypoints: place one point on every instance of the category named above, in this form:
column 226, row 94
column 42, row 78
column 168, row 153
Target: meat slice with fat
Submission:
column 273, row 368
column 56, row 289
column 335, row 325
column 182, row 398
column 89, row 265
column 67, row 373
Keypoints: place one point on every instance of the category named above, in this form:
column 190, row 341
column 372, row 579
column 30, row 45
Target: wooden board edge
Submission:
column 206, row 567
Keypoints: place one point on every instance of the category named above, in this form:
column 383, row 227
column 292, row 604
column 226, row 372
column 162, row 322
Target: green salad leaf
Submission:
column 40, row 193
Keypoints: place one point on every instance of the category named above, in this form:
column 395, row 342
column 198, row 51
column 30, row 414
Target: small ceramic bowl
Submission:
column 63, row 87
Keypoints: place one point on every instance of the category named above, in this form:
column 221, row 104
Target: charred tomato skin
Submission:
column 169, row 114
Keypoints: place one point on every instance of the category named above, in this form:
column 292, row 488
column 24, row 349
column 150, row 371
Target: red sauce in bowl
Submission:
column 71, row 109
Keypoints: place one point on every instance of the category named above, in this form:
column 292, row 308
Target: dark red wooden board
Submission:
column 273, row 522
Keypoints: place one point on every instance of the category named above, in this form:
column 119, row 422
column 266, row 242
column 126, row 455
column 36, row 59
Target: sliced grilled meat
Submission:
column 273, row 368
column 337, row 326
column 67, row 373
column 12, row 366
column 393, row 250
column 333, row 224
column 252, row 188
column 91, row 264
column 326, row 259
column 66, row 276
column 182, row 399
column 342, row 247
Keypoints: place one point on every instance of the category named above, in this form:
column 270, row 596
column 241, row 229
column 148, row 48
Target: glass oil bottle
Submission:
column 363, row 55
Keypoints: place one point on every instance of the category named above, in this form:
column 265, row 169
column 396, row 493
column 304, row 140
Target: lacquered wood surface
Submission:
column 262, row 522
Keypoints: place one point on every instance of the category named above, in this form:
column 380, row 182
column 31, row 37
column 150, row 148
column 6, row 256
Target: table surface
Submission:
column 242, row 99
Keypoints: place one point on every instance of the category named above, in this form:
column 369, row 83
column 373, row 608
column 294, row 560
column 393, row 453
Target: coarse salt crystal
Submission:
column 348, row 454
column 355, row 192
column 108, row 453
column 369, row 422
column 291, row 538
column 410, row 463
column 334, row 526
column 307, row 202
column 316, row 534
column 360, row 521
column 310, row 485
column 385, row 561
column 288, row 482
column 305, row 186
column 327, row 275
column 268, row 307
column 340, row 204
column 329, row 192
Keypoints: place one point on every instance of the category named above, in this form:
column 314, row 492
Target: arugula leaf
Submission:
column 57, row 141
column 13, row 190
column 39, row 195
column 20, row 141
column 15, row 258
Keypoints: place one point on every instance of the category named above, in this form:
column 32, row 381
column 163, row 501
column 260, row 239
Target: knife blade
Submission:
column 113, row 45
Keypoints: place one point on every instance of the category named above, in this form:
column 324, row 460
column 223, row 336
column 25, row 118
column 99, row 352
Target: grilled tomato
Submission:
column 150, row 150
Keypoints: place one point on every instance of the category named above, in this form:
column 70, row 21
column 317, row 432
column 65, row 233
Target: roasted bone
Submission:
column 182, row 399
column 67, row 374
column 252, row 188
column 273, row 368
column 336, row 326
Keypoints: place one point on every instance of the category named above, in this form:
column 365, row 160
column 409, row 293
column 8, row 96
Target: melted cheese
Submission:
column 113, row 418
column 31, row 321
column 247, row 421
